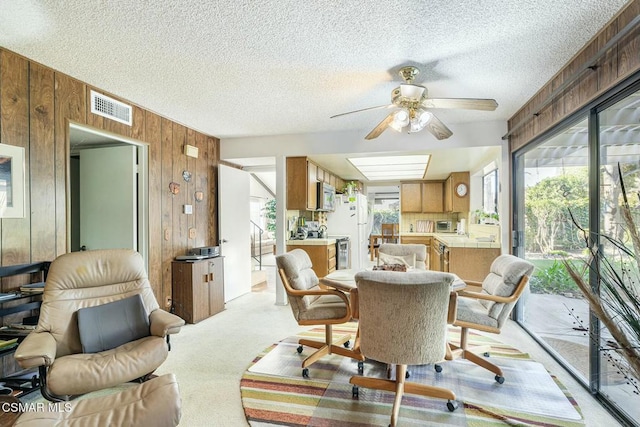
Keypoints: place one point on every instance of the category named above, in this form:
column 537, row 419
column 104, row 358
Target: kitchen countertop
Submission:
column 311, row 242
column 454, row 240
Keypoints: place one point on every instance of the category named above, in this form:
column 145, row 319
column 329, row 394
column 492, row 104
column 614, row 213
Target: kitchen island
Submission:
column 321, row 251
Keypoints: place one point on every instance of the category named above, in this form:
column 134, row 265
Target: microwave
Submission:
column 326, row 197
column 444, row 226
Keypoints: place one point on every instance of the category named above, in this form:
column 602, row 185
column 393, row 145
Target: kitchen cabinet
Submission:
column 410, row 197
column 312, row 186
column 432, row 196
column 421, row 197
column 435, row 260
column 197, row 288
column 453, row 201
column 420, row 240
column 302, row 183
column 302, row 187
column 471, row 263
column 467, row 263
column 323, row 257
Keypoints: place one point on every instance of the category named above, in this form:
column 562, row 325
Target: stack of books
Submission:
column 6, row 295
column 32, row 288
column 6, row 344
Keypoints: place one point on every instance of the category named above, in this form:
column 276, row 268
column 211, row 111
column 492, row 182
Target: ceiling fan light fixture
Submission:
column 400, row 120
column 419, row 120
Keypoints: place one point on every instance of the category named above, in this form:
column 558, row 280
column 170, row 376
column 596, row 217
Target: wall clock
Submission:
column 462, row 189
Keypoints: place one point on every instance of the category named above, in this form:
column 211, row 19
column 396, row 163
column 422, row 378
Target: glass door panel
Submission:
column 555, row 181
column 619, row 144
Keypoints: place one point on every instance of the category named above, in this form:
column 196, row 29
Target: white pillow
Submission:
column 408, row 260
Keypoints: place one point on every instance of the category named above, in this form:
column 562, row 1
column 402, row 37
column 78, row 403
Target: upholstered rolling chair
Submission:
column 313, row 305
column 416, row 253
column 99, row 326
column 488, row 308
column 403, row 321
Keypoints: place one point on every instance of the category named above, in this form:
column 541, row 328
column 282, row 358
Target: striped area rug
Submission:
column 274, row 392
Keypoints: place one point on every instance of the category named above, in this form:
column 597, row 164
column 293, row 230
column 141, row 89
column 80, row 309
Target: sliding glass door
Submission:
column 554, row 186
column 565, row 185
column 619, row 146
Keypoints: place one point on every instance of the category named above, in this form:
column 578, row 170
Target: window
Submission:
column 490, row 192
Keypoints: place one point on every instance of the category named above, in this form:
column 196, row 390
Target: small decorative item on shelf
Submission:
column 350, row 191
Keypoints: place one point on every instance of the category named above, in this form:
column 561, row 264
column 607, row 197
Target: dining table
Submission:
column 345, row 280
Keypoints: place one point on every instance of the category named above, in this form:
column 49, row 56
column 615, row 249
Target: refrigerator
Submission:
column 351, row 219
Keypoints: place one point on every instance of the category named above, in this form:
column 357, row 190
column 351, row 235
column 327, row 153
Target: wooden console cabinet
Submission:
column 197, row 288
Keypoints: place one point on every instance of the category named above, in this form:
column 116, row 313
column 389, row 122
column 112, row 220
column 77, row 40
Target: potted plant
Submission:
column 617, row 302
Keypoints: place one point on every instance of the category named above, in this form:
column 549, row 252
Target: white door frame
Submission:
column 143, row 184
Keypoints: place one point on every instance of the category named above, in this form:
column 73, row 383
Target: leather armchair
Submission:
column 87, row 279
column 155, row 403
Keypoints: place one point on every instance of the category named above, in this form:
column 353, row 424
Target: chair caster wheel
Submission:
column 299, row 349
column 305, row 373
column 35, row 381
column 499, row 379
column 487, row 354
column 347, row 344
column 452, row 405
column 355, row 392
column 360, row 367
column 407, row 374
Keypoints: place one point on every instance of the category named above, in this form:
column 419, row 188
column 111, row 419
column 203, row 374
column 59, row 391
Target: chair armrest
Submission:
column 488, row 297
column 341, row 286
column 37, row 349
column 354, row 301
column 163, row 323
column 453, row 307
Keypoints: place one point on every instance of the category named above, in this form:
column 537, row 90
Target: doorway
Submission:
column 107, row 191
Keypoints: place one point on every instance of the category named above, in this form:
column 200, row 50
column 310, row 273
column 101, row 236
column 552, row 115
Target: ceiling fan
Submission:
column 412, row 104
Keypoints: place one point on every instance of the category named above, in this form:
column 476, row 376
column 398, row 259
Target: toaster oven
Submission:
column 444, row 226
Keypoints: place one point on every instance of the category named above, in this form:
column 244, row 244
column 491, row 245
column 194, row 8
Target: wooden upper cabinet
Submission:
column 421, row 197
column 312, row 186
column 411, row 197
column 432, row 196
column 454, row 202
column 320, row 174
column 297, row 183
column 339, row 184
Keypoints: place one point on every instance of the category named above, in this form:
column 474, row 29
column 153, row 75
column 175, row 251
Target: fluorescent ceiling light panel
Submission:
column 392, row 167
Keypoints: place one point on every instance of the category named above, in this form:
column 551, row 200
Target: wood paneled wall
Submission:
column 36, row 106
column 622, row 60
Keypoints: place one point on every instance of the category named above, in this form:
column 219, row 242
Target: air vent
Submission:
column 107, row 107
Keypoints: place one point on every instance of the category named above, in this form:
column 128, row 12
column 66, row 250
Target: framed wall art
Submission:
column 11, row 181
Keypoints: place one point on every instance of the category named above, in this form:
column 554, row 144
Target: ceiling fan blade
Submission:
column 364, row 109
column 463, row 103
column 380, row 128
column 438, row 129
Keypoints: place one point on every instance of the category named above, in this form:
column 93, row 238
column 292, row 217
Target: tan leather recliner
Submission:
column 155, row 403
column 87, row 279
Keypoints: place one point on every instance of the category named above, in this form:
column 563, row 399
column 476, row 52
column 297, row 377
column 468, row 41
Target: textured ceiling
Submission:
column 249, row 68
